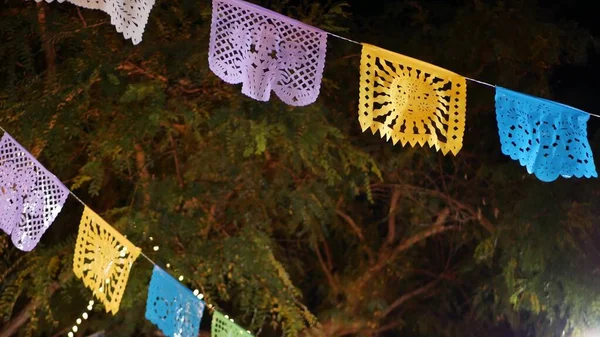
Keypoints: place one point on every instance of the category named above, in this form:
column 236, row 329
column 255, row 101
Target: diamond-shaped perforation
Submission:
column 256, row 35
column 31, row 197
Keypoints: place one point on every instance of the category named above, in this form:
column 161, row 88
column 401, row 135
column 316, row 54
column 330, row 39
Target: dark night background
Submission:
column 292, row 220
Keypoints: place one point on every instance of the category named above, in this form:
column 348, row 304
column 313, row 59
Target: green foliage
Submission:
column 290, row 219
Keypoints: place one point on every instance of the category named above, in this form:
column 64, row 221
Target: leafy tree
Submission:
column 290, row 219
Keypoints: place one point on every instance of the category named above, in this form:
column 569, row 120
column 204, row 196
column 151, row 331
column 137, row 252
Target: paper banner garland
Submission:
column 30, row 196
column 103, row 259
column 404, row 99
column 223, row 326
column 128, row 16
column 266, row 51
column 411, row 101
column 548, row 138
column 172, row 307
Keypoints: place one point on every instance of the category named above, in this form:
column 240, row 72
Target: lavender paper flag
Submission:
column 266, row 51
column 128, row 16
column 30, row 196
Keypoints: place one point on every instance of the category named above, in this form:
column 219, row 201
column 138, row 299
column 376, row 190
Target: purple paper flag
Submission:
column 266, row 51
column 30, row 196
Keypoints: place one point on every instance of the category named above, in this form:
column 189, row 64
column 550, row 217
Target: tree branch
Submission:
column 140, row 163
column 47, row 43
column 133, row 68
column 81, row 17
column 328, row 255
column 385, row 257
column 23, row 316
column 451, row 201
column 386, row 327
column 352, row 224
column 13, row 326
column 436, row 228
column 326, row 270
column 182, row 84
column 358, row 232
column 175, row 157
column 62, row 332
column 391, row 236
column 402, row 299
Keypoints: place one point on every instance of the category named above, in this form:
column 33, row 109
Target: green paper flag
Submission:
column 223, row 326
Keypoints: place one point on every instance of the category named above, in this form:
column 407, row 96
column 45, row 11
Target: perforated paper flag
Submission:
column 173, row 307
column 30, row 196
column 223, row 326
column 548, row 138
column 411, row 101
column 103, row 259
column 128, row 16
column 266, row 51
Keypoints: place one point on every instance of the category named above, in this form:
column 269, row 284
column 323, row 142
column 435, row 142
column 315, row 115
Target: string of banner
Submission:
column 32, row 199
column 404, row 99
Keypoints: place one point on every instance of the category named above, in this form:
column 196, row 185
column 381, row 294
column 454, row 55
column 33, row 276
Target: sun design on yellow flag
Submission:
column 103, row 259
column 411, row 101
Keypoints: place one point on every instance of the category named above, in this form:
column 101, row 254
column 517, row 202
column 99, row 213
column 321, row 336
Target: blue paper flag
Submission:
column 547, row 137
column 173, row 307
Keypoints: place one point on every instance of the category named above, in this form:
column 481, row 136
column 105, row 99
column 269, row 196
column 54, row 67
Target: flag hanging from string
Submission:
column 128, row 16
column 402, row 98
column 548, row 138
column 223, row 326
column 411, row 101
column 30, row 196
column 103, row 259
column 172, row 307
column 266, row 51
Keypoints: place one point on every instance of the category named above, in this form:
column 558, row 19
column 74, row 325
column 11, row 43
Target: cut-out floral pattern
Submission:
column 548, row 138
column 30, row 196
column 266, row 51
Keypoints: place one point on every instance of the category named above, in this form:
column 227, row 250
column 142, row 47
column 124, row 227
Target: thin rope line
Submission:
column 76, row 197
column 343, row 38
column 480, row 82
column 85, row 205
column 149, row 259
column 591, row 114
column 467, row 78
column 211, row 307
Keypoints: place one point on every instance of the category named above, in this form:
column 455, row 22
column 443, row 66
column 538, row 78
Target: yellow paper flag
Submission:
column 103, row 259
column 411, row 101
